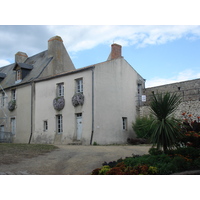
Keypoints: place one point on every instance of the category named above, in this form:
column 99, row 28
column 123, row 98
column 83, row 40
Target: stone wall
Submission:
column 188, row 107
column 189, row 91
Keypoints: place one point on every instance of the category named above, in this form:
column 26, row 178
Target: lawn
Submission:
column 13, row 153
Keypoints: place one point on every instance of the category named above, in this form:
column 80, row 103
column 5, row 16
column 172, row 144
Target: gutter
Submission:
column 92, row 133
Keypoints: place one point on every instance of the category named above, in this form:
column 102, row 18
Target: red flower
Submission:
column 190, row 115
column 183, row 113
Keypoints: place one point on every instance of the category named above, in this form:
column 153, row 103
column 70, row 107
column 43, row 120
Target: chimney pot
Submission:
column 20, row 57
column 116, row 51
column 54, row 44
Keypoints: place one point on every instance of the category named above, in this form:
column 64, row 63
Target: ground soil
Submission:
column 70, row 160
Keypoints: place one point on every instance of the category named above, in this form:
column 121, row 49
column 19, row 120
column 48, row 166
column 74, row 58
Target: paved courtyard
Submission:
column 72, row 160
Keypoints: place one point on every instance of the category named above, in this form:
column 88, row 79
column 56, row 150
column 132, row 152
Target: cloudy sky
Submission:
column 161, row 54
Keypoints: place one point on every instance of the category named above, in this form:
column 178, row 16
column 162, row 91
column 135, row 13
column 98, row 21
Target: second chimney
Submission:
column 20, row 57
column 116, row 51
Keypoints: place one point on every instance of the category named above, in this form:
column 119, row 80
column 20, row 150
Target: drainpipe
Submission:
column 92, row 106
column 32, row 91
column 32, row 95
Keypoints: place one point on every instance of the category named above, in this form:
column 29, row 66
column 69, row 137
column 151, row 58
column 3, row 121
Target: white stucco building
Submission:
column 52, row 102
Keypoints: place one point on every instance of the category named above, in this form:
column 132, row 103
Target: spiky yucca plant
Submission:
column 166, row 131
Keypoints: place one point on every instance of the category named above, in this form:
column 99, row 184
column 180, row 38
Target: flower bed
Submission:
column 155, row 163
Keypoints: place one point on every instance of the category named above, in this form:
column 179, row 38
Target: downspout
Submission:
column 92, row 133
column 32, row 88
column 32, row 96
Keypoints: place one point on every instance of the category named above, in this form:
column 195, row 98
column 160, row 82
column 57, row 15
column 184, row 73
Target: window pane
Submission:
column 79, row 83
column 45, row 125
column 13, row 125
column 60, row 90
column 13, row 94
column 59, row 124
column 124, row 123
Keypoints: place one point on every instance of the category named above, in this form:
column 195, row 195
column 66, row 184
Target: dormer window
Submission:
column 18, row 76
column 22, row 70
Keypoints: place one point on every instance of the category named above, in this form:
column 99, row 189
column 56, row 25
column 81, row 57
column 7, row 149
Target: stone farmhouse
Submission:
column 45, row 99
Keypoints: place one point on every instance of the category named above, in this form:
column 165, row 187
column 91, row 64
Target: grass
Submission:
column 13, row 153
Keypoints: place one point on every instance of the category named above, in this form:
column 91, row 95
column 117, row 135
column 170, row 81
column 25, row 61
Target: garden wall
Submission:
column 189, row 91
column 191, row 110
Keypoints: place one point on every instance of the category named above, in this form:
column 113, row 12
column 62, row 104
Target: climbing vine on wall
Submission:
column 78, row 99
column 59, row 103
column 11, row 105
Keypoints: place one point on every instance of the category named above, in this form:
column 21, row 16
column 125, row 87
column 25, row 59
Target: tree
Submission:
column 166, row 129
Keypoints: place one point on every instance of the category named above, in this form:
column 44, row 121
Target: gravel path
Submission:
column 72, row 160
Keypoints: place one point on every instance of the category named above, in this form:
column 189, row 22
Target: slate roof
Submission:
column 2, row 75
column 36, row 64
column 23, row 66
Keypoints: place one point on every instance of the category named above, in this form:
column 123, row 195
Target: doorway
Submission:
column 78, row 126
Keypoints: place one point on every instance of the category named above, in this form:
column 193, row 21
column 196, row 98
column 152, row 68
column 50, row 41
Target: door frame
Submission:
column 79, row 134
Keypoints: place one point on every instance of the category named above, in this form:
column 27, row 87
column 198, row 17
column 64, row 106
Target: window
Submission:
column 139, row 88
column 124, row 123
column 13, row 94
column 18, row 75
column 45, row 125
column 2, row 99
column 60, row 89
column 59, row 124
column 13, row 125
column 79, row 85
column 2, row 128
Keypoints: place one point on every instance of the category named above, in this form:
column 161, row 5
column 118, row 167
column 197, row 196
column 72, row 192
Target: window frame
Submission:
column 18, row 75
column 59, row 124
column 60, row 90
column 124, row 123
column 13, row 94
column 11, row 125
column 79, row 85
column 2, row 99
column 45, row 125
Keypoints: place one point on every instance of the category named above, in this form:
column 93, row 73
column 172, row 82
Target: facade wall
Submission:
column 45, row 92
column 114, row 98
column 22, row 114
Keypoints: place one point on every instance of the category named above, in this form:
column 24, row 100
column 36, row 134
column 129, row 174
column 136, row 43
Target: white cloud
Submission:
column 4, row 62
column 185, row 75
column 33, row 39
column 79, row 38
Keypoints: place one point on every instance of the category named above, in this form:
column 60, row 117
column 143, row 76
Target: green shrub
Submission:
column 154, row 151
column 189, row 152
column 166, row 132
column 104, row 169
column 196, row 163
column 142, row 127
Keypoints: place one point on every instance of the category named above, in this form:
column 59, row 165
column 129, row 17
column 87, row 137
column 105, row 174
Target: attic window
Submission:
column 22, row 70
column 18, row 76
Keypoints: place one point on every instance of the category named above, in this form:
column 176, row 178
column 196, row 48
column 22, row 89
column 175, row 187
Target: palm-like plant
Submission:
column 166, row 129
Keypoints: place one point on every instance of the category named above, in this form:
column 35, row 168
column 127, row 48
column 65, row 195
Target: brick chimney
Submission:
column 20, row 57
column 115, row 51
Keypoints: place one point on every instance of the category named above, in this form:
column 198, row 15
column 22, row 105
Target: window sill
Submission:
column 18, row 81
